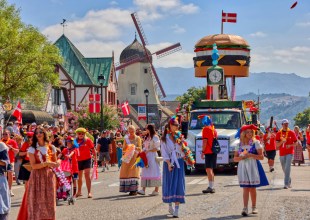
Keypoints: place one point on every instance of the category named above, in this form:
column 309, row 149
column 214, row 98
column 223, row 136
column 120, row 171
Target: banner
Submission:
column 126, row 108
column 94, row 103
column 141, row 112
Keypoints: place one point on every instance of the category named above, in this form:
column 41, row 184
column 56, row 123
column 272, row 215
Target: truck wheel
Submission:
column 187, row 170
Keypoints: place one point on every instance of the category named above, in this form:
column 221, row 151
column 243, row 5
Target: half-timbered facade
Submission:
column 79, row 78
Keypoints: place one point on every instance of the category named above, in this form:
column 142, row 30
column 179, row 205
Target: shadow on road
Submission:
column 156, row 217
column 270, row 189
column 121, row 197
column 230, row 217
column 296, row 190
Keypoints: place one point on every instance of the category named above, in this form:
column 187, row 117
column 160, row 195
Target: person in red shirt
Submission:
column 71, row 153
column 23, row 172
column 85, row 146
column 269, row 141
column 13, row 149
column 308, row 140
column 208, row 134
column 286, row 140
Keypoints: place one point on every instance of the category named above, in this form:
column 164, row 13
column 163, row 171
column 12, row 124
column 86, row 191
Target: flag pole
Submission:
column 222, row 26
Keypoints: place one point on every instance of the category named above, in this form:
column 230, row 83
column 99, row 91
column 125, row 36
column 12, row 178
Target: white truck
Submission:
column 227, row 117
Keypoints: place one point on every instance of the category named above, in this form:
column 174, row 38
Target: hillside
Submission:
column 177, row 80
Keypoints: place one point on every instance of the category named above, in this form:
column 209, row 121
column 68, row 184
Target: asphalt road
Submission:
column 273, row 201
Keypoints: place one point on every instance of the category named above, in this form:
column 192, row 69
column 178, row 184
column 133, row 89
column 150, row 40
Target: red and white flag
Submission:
column 18, row 113
column 125, row 108
column 229, row 17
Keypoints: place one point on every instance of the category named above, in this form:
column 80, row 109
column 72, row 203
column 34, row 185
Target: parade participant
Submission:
column 85, row 147
column 250, row 171
column 104, row 147
column 18, row 159
column 269, row 141
column 151, row 176
column 119, row 148
column 298, row 151
column 39, row 201
column 70, row 153
column 13, row 149
column 5, row 201
column 308, row 141
column 208, row 134
column 113, row 152
column 130, row 174
column 33, row 126
column 286, row 140
column 23, row 172
column 173, row 188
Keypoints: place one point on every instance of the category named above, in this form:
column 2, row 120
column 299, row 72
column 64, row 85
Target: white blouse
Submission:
column 171, row 151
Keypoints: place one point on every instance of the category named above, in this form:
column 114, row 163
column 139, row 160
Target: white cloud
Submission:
column 258, row 34
column 94, row 25
column 177, row 29
column 303, row 24
column 113, row 3
column 292, row 55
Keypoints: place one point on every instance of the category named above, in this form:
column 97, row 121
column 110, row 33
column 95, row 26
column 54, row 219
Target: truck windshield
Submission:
column 221, row 120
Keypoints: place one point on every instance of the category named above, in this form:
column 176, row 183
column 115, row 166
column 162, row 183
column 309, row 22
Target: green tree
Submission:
column 27, row 59
column 302, row 119
column 191, row 95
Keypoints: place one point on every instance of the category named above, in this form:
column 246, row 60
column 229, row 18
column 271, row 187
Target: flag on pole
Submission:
column 229, row 17
column 125, row 108
column 18, row 113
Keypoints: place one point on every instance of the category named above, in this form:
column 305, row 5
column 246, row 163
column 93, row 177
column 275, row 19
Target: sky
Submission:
column 279, row 37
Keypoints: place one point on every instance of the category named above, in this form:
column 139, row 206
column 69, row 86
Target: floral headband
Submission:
column 174, row 120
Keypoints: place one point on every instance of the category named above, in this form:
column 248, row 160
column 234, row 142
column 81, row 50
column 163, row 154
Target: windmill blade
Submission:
column 139, row 28
column 168, row 50
column 129, row 61
column 158, row 81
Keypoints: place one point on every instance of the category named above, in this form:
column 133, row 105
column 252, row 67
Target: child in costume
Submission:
column 250, row 171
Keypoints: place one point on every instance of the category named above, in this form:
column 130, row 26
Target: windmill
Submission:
column 160, row 53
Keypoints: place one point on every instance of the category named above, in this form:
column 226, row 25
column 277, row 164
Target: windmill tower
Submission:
column 137, row 73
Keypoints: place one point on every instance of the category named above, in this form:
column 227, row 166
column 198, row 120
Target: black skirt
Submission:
column 23, row 172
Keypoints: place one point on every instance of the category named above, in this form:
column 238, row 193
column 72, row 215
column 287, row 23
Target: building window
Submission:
column 145, row 70
column 133, row 89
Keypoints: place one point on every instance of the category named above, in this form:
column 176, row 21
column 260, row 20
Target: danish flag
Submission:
column 229, row 17
column 18, row 113
column 125, row 108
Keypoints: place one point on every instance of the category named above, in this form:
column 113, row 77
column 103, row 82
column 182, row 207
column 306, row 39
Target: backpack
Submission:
column 216, row 148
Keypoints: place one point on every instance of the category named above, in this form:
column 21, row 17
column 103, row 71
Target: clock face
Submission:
column 215, row 76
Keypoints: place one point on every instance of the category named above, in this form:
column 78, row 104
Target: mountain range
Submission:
column 176, row 81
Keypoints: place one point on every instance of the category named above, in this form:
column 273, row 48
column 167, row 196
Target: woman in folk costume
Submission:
column 250, row 171
column 298, row 152
column 129, row 173
column 39, row 201
column 151, row 176
column 173, row 188
column 5, row 198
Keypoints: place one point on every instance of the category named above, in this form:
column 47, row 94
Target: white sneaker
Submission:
column 12, row 194
column 154, row 193
column 244, row 211
column 254, row 210
column 171, row 210
column 176, row 213
column 141, row 192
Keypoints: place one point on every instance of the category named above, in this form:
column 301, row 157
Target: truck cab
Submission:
column 227, row 117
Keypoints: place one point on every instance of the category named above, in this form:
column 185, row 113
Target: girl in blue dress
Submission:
column 173, row 185
column 250, row 171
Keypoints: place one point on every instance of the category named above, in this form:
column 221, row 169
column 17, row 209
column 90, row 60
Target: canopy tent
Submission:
column 29, row 116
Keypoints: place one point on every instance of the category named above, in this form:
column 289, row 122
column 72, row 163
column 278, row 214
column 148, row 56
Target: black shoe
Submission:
column 209, row 190
column 271, row 170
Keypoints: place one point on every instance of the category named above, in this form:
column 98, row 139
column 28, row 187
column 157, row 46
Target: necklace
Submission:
column 286, row 133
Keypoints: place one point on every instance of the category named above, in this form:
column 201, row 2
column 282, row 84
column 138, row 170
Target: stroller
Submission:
column 65, row 182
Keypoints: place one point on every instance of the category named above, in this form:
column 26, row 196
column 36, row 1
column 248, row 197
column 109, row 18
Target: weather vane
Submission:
column 63, row 24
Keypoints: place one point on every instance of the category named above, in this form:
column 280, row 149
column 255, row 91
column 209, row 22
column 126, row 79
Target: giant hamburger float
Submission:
column 234, row 55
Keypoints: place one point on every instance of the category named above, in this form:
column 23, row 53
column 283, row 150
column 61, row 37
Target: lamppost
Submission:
column 101, row 79
column 146, row 93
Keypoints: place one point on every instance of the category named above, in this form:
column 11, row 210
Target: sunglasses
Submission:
column 80, row 133
column 39, row 132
